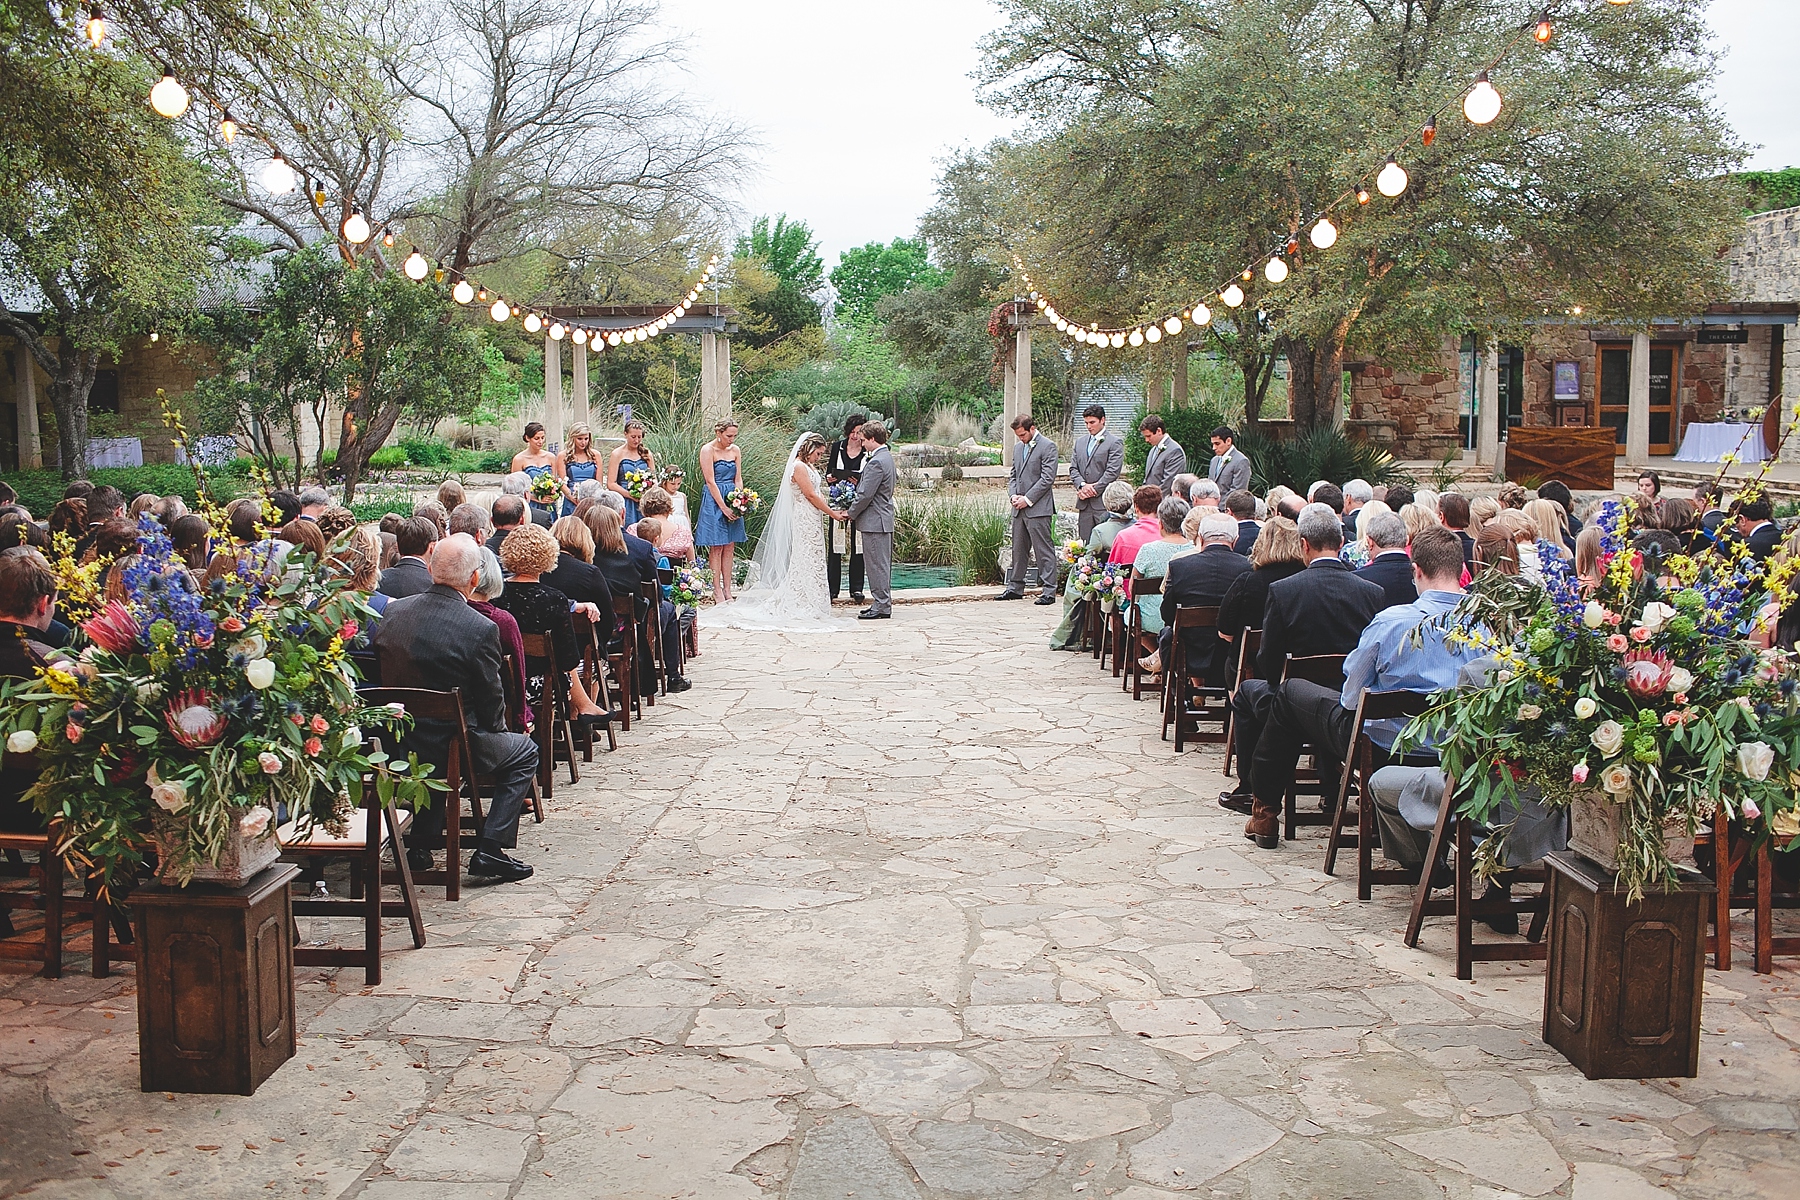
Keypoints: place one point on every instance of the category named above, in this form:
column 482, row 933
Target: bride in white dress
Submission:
column 787, row 591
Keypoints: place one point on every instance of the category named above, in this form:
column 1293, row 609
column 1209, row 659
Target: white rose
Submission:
column 149, row 693
column 1680, row 679
column 1616, row 778
column 170, row 795
column 1594, row 615
column 1530, row 712
column 1586, row 707
column 352, row 736
column 22, row 741
column 251, row 647
column 1608, row 738
column 1754, row 760
column 260, row 672
column 1656, row 615
column 253, row 823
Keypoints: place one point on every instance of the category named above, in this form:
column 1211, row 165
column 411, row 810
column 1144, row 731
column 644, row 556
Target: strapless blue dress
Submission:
column 713, row 529
column 630, row 464
column 579, row 472
column 536, row 473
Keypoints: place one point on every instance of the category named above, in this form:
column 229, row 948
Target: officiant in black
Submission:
column 844, row 463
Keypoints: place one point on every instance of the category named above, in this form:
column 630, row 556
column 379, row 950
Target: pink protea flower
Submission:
column 192, row 721
column 1647, row 673
column 113, row 628
column 349, row 630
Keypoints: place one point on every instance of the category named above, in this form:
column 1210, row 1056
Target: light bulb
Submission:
column 96, row 26
column 462, row 293
column 356, row 227
column 1249, row 274
column 168, row 97
column 1136, row 338
column 1543, row 31
column 579, row 337
column 1324, row 235
column 613, row 339
column 1153, row 334
column 1041, row 303
column 1232, row 296
column 1116, row 340
column 1428, row 134
column 318, row 192
column 1392, row 180
column 1172, row 325
column 1482, row 104
column 558, row 331
column 1080, row 335
column 1277, row 270
column 415, row 266
column 500, row 311
column 481, row 295
column 154, row 335
column 227, row 128
column 1362, row 195
column 533, row 322
column 277, row 177
column 1202, row 314
column 438, row 272
column 1062, row 326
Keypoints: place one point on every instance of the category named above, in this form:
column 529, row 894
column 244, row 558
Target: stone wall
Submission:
column 1766, row 269
column 1412, row 413
column 143, row 367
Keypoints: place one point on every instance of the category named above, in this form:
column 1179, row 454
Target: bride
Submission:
column 787, row 591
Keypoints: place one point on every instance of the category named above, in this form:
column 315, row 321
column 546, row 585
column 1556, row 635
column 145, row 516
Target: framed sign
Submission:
column 1565, row 382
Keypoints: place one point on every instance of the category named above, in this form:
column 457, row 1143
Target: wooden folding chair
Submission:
column 623, row 661
column 509, row 682
column 659, row 670
column 1249, row 642
column 46, row 897
column 459, row 774
column 1739, row 886
column 1463, row 904
column 1326, row 670
column 553, row 726
column 373, row 827
column 1187, row 698
column 1767, row 901
column 593, row 673
column 368, row 665
column 1365, row 758
column 1135, row 636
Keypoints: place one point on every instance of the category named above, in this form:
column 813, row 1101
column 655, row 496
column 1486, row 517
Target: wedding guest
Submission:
column 141, row 504
column 1512, row 496
column 1357, row 550
column 360, row 558
column 1587, row 559
column 313, row 503
column 286, row 502
column 189, row 537
column 1558, row 491
column 611, row 554
column 508, row 514
column 631, row 456
column 844, row 464
column 1496, row 550
column 526, row 554
column 1677, row 516
column 1095, row 463
column 1453, row 507
column 1756, row 526
column 336, row 519
column 1416, row 516
column 434, row 512
column 1277, row 554
column 1357, row 492
column 473, row 520
column 68, row 517
column 1152, row 560
column 1399, row 495
column 721, row 526
column 1144, row 529
column 677, row 535
column 390, row 550
column 1241, row 506
column 390, row 523
column 1205, row 494
column 1551, row 522
column 518, row 483
column 575, row 574
column 1200, row 580
column 304, row 535
column 1279, row 495
column 1183, row 486
column 27, row 606
column 1117, row 501
column 1389, row 567
column 1428, row 501
column 490, row 583
column 668, row 616
column 450, row 494
column 18, row 529
column 1482, row 509
column 580, row 465
column 1706, row 500
column 536, row 461
column 434, row 641
column 411, row 574
column 1649, row 489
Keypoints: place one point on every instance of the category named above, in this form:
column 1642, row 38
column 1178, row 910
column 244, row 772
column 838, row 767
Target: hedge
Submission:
column 40, row 490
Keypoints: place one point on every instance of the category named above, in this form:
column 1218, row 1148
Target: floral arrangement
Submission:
column 1083, row 574
column 841, row 495
column 546, row 488
column 201, row 710
column 1651, row 692
column 1113, row 586
column 744, row 500
column 689, row 585
column 636, row 483
column 1072, row 551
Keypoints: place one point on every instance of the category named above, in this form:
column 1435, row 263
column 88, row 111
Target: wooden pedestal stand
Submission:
column 1622, row 988
column 215, row 984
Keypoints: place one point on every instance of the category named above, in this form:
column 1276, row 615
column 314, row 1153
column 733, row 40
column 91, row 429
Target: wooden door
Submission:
column 1614, row 393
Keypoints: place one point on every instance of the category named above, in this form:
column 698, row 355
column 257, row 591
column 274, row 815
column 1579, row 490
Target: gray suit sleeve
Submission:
column 1177, row 465
column 1045, row 471
column 1239, row 472
column 1114, row 467
column 867, row 488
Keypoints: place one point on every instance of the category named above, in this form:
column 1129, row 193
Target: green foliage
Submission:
column 827, row 419
column 40, row 490
column 388, row 458
column 1191, row 427
column 1769, row 190
column 676, row 433
column 1313, row 455
column 422, row 452
column 788, row 249
column 866, row 274
column 965, row 531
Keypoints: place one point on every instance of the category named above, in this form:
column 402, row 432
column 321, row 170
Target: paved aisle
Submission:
column 917, row 911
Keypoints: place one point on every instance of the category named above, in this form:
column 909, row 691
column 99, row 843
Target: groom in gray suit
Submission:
column 1094, row 462
column 872, row 512
column 1033, row 491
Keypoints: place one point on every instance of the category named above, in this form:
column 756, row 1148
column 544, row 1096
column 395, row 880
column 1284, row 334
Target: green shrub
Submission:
column 964, row 532
column 490, row 462
column 676, row 434
column 40, row 490
column 427, row 452
column 827, row 419
column 1190, row 427
column 387, row 458
column 1317, row 454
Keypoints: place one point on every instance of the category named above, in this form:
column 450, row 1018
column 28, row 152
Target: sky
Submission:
column 856, row 104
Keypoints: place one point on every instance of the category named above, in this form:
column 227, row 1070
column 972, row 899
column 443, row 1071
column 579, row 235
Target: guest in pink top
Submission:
column 1144, row 530
column 678, row 536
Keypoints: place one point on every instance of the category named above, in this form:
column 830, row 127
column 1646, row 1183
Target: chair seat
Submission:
column 320, row 840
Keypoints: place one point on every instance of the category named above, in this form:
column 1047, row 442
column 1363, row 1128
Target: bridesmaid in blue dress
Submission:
column 630, row 457
column 721, row 526
column 537, row 461
column 579, row 465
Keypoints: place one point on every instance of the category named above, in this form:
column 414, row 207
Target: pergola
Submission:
column 713, row 322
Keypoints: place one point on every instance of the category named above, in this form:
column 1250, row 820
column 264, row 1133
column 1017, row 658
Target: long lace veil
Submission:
column 774, row 550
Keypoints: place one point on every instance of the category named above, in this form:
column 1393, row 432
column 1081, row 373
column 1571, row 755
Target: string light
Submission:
column 1362, row 195
column 1153, row 334
column 356, row 228
column 96, row 26
column 1202, row 315
column 557, row 330
column 1543, row 31
column 1428, row 134
column 533, row 322
column 1232, row 296
column 277, row 177
column 462, row 293
column 1324, row 235
column 1392, row 180
column 318, row 192
column 168, row 97
column 1277, row 270
column 227, row 127
column 1136, row 338
column 387, row 239
column 1482, row 104
column 500, row 311
column 415, row 266
column 580, row 336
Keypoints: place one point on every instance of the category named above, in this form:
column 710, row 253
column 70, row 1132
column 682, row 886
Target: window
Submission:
column 105, row 395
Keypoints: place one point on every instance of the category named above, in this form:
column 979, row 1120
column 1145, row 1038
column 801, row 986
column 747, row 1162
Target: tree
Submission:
column 1189, row 139
column 866, row 274
column 788, row 249
column 774, row 275
column 102, row 216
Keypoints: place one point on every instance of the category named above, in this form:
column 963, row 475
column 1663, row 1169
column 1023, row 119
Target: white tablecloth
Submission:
column 115, row 452
column 1708, row 442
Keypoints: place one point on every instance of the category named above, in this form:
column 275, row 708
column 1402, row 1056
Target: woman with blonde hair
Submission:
column 1587, row 559
column 721, row 526
column 1358, row 552
column 527, row 553
column 1550, row 522
column 1415, row 517
column 579, row 464
column 575, row 574
column 1482, row 509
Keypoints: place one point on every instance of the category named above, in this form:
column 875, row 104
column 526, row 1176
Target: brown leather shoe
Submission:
column 1264, row 828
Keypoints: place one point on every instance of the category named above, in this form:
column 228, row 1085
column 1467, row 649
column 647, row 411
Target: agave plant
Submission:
column 1318, row 454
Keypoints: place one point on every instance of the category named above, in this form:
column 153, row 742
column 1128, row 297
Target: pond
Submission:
column 923, row 575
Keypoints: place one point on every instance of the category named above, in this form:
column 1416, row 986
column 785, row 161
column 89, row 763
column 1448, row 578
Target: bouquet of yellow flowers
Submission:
column 635, row 483
column 546, row 488
column 744, row 500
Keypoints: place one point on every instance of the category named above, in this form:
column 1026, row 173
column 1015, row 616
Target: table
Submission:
column 115, row 452
column 1709, row 441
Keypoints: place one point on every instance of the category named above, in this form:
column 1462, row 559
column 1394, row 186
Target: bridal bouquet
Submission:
column 636, row 483
column 744, row 500
column 546, row 488
column 1645, row 707
column 1083, row 574
column 689, row 584
column 841, row 495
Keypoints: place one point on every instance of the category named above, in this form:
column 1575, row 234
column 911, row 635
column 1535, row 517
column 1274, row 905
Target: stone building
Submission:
column 124, row 395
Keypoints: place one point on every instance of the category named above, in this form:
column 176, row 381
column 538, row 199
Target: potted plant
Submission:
column 1645, row 708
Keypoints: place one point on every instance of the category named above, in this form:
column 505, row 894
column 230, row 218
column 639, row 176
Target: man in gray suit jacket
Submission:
column 872, row 512
column 1167, row 458
column 1033, row 492
column 1094, row 462
column 1229, row 468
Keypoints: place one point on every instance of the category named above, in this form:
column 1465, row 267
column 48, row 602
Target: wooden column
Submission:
column 1637, row 419
column 1487, row 405
column 31, row 445
column 553, row 403
column 578, row 383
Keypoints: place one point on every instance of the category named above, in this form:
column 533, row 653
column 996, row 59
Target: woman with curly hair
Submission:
column 526, row 554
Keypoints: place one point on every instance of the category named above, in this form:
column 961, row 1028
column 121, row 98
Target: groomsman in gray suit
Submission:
column 1094, row 463
column 872, row 512
column 1032, row 489
column 1229, row 468
column 1167, row 458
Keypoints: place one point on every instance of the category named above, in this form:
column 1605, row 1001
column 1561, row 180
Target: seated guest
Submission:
column 1512, row 496
column 390, row 523
column 490, row 584
column 1357, row 493
column 189, row 536
column 27, row 605
column 434, row 512
column 519, row 484
column 360, row 558
column 509, row 514
column 1152, row 561
column 1552, row 523
column 1495, row 549
column 1706, row 501
column 1587, row 559
column 1183, row 485
column 411, row 575
column 1145, row 529
column 1387, row 657
column 286, row 503
column 1756, row 526
column 304, row 535
column 140, row 504
column 611, row 554
column 1205, row 495
column 390, row 550
column 575, row 575
column 1453, row 508
column 525, row 555
column 1416, row 516
column 1278, row 553
column 1201, row 580
column 450, row 494
column 1117, row 501
column 1242, row 507
column 668, row 616
column 313, row 503
column 1389, row 567
column 1482, row 509
column 103, row 504
column 336, row 520
column 434, row 640
column 677, row 536
column 1398, row 496
column 473, row 520
column 17, row 530
column 1558, row 492
column 1320, row 610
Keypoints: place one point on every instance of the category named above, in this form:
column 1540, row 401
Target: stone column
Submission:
column 553, row 405
column 1022, row 368
column 1179, row 348
column 578, row 383
column 1637, row 420
column 1788, row 372
column 722, row 372
column 1487, row 406
column 31, row 445
column 1009, row 408
column 709, row 380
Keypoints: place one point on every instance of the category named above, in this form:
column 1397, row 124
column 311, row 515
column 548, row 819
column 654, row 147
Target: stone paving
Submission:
column 923, row 910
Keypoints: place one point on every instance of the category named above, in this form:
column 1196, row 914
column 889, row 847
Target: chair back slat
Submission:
column 1189, row 616
column 1326, row 670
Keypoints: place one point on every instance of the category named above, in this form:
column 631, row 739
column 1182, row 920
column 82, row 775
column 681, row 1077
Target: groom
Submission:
column 872, row 512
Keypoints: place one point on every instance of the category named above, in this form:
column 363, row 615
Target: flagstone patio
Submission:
column 921, row 910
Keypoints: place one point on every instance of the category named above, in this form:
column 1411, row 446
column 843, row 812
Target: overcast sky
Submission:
column 855, row 104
